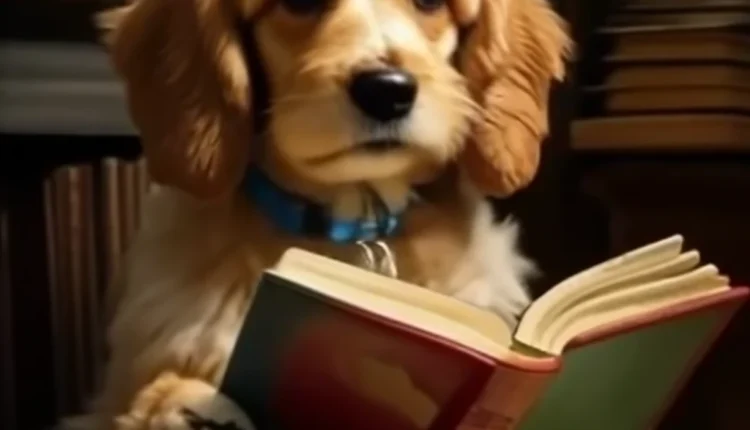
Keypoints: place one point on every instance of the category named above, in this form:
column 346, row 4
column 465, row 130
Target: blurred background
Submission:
column 650, row 136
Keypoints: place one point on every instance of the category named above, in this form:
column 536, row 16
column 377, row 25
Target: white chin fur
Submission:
column 506, row 271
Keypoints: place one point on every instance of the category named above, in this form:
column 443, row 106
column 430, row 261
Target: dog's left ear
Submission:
column 188, row 88
column 512, row 53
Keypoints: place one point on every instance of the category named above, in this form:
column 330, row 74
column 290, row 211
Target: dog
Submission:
column 384, row 120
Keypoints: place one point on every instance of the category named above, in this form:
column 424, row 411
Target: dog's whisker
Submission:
column 462, row 102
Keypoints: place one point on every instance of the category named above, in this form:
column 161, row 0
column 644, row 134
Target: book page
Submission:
column 617, row 284
column 588, row 282
column 421, row 299
column 618, row 305
column 388, row 308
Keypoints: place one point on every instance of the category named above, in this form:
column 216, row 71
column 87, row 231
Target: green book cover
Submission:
column 626, row 381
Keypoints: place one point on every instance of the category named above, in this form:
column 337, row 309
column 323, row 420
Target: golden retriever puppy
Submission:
column 315, row 124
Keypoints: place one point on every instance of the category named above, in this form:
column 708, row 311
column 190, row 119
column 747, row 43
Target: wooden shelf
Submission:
column 663, row 133
column 60, row 89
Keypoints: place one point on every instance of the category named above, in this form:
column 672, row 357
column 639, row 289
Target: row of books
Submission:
column 91, row 213
column 668, row 74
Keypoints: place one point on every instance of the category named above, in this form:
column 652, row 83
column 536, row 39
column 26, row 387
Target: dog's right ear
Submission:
column 514, row 50
column 188, row 88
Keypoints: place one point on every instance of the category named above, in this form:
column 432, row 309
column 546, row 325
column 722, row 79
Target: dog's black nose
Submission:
column 384, row 94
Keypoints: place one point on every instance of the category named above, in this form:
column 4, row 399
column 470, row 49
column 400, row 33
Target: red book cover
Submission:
column 303, row 360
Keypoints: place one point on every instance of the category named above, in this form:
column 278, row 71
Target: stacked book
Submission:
column 91, row 213
column 669, row 74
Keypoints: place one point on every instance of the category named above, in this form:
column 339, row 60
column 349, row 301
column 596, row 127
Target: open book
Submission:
column 329, row 345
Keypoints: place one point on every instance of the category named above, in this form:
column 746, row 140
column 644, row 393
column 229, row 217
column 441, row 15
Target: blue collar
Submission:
column 298, row 216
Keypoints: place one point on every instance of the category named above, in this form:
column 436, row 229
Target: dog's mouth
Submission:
column 380, row 145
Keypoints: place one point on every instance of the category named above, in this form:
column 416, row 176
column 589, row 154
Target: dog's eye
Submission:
column 429, row 5
column 304, row 7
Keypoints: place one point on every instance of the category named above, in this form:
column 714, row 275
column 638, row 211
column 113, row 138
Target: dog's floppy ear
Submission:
column 188, row 88
column 512, row 53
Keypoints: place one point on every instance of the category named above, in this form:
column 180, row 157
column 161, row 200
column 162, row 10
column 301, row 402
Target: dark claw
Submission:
column 197, row 422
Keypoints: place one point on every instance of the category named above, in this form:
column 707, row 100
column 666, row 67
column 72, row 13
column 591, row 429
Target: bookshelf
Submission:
column 62, row 125
column 651, row 181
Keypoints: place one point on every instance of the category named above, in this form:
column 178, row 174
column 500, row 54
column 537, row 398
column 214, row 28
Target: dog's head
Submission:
column 357, row 90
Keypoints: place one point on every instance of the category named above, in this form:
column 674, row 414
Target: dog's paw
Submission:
column 175, row 403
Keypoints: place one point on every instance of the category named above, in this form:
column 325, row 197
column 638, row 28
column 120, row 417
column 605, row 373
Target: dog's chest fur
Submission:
column 190, row 272
column 433, row 240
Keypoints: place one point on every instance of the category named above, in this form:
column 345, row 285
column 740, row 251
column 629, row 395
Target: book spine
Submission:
column 508, row 396
column 112, row 217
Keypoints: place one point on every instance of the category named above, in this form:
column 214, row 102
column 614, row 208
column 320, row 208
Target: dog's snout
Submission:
column 383, row 94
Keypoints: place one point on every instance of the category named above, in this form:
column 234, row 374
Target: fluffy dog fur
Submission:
column 483, row 67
